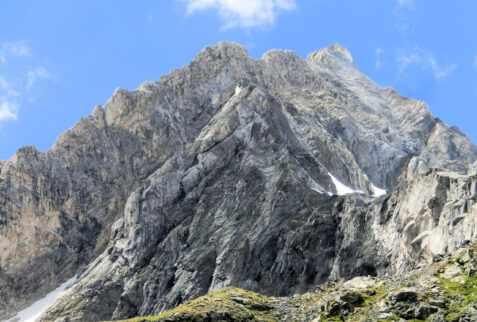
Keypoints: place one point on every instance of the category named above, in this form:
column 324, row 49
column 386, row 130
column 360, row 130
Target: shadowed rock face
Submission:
column 218, row 174
column 443, row 291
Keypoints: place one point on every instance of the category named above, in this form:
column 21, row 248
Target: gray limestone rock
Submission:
column 228, row 172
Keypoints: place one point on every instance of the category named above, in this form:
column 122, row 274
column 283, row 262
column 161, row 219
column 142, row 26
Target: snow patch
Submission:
column 314, row 186
column 237, row 90
column 341, row 189
column 34, row 311
column 378, row 192
column 321, row 191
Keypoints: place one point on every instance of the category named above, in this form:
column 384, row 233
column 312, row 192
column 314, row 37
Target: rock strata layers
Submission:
column 444, row 291
column 227, row 172
column 320, row 239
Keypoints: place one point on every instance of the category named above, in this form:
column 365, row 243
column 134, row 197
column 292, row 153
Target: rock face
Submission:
column 227, row 172
column 430, row 294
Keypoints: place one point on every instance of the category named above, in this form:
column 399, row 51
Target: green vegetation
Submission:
column 461, row 291
column 230, row 304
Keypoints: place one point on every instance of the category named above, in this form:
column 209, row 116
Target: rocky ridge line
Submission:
column 230, row 157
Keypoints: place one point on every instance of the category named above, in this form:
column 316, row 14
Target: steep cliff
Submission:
column 444, row 291
column 229, row 171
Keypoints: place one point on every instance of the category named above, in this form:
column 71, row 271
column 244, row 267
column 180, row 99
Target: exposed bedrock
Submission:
column 225, row 173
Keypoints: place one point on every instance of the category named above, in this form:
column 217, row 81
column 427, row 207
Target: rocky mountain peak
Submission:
column 227, row 49
column 337, row 48
column 329, row 55
column 272, row 174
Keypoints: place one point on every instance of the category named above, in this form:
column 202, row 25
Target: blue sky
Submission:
column 58, row 59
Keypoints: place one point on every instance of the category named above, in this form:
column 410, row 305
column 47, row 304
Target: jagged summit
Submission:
column 263, row 174
column 341, row 50
column 335, row 50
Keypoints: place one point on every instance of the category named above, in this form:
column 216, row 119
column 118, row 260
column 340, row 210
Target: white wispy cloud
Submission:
column 8, row 100
column 403, row 14
column 378, row 53
column 6, row 89
column 475, row 61
column 8, row 110
column 18, row 75
column 425, row 60
column 17, row 49
column 406, row 3
column 36, row 74
column 8, row 106
column 243, row 13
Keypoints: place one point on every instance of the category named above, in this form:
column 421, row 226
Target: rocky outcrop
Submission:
column 306, row 241
column 420, row 221
column 57, row 208
column 226, row 172
column 444, row 291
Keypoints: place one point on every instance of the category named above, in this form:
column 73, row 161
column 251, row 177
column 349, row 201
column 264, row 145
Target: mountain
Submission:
column 265, row 174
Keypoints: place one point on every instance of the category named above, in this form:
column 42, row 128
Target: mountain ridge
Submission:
column 275, row 123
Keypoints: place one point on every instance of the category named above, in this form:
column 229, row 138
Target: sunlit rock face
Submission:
column 257, row 173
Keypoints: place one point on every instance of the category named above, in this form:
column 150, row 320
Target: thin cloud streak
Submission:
column 8, row 106
column 424, row 60
column 378, row 53
column 38, row 73
column 17, row 78
column 8, row 110
column 8, row 101
column 17, row 49
column 402, row 12
column 6, row 88
column 243, row 13
column 406, row 3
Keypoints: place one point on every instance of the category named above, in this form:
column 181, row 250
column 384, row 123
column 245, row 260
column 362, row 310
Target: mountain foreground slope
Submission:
column 442, row 291
column 264, row 174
